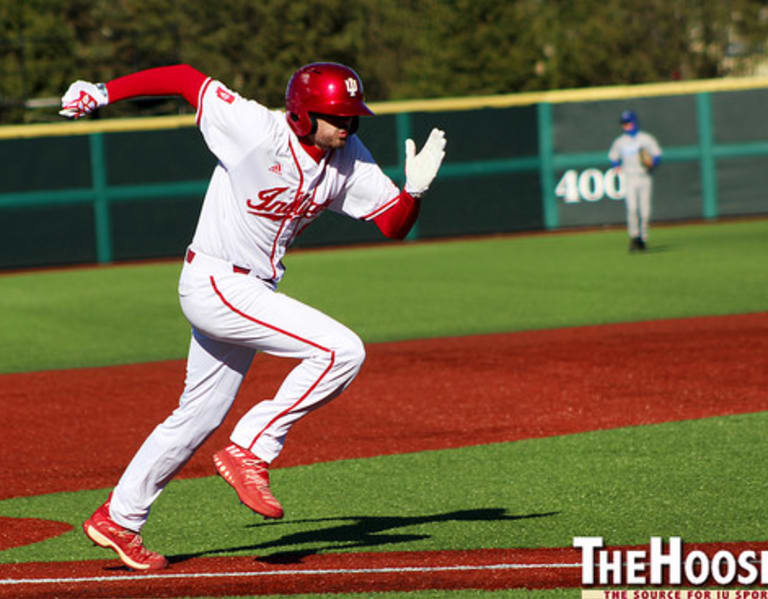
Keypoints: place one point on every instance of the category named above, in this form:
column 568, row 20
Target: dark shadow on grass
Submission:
column 353, row 532
column 652, row 249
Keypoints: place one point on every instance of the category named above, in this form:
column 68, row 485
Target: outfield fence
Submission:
column 123, row 189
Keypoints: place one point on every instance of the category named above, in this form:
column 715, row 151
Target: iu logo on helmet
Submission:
column 351, row 84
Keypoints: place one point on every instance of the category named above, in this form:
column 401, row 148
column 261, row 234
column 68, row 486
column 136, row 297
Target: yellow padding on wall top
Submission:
column 590, row 94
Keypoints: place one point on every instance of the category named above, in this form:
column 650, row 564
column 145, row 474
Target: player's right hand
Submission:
column 83, row 97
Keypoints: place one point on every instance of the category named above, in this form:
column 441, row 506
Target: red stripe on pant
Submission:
column 293, row 336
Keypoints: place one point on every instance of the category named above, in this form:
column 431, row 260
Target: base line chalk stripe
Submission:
column 405, row 570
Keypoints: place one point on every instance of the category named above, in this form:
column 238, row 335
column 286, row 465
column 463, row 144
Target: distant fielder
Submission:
column 277, row 171
column 636, row 153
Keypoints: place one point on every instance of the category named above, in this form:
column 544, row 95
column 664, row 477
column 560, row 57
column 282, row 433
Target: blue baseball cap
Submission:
column 628, row 116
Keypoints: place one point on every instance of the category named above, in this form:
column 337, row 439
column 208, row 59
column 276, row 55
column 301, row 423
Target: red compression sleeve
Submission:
column 177, row 80
column 398, row 220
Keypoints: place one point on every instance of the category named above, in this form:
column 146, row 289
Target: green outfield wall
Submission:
column 107, row 190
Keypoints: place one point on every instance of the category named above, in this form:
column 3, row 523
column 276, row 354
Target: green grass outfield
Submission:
column 695, row 479
column 127, row 314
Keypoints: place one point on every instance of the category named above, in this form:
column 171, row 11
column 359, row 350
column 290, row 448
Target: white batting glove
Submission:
column 83, row 97
column 421, row 168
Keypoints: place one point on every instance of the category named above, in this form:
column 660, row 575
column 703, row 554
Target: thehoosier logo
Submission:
column 657, row 566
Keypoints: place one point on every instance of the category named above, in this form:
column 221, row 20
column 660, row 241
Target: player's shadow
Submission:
column 354, row 532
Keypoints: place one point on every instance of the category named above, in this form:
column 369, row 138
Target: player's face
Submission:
column 332, row 131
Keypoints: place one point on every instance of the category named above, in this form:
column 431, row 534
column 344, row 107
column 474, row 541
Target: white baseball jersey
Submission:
column 266, row 188
column 638, row 182
column 626, row 149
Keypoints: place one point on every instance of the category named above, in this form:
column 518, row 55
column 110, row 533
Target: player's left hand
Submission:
column 421, row 168
column 83, row 97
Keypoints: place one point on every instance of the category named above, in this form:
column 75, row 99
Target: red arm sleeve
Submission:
column 398, row 220
column 177, row 80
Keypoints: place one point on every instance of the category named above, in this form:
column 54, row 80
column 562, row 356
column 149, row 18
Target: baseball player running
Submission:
column 276, row 172
column 637, row 153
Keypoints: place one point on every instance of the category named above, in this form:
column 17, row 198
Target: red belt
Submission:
column 235, row 268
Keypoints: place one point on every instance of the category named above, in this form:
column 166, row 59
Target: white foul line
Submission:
column 404, row 570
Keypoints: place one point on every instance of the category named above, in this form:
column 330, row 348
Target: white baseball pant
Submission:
column 233, row 316
column 638, row 201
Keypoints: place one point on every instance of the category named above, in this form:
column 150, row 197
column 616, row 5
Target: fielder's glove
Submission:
column 83, row 97
column 421, row 168
column 646, row 159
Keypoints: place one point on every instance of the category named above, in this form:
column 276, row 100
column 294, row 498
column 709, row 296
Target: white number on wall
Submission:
column 613, row 182
column 590, row 185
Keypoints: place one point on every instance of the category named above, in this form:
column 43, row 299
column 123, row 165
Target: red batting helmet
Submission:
column 323, row 88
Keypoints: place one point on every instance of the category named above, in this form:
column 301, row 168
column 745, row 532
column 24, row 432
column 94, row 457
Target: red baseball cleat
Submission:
column 105, row 532
column 249, row 477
